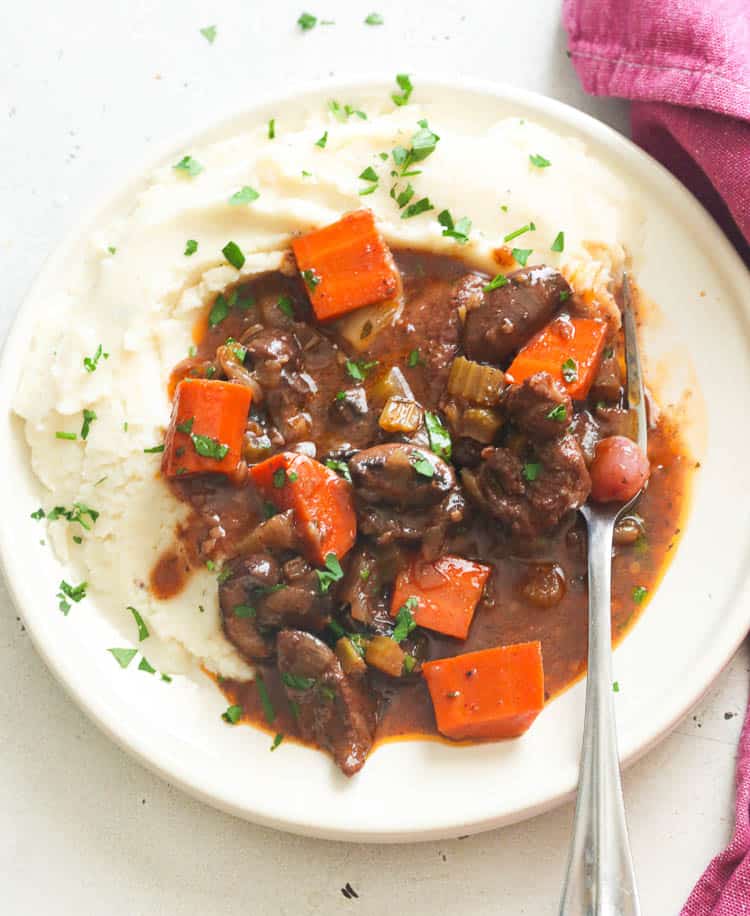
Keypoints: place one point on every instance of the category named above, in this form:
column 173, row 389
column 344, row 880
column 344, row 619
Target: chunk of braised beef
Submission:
column 614, row 421
column 608, row 382
column 297, row 601
column 275, row 534
column 586, row 430
column 540, row 406
column 333, row 710
column 467, row 452
column 504, row 319
column 247, row 578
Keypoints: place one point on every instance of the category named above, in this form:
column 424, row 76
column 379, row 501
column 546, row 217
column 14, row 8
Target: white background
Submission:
column 86, row 86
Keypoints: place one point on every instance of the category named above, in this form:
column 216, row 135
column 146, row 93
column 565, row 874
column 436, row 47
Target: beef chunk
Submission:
column 504, row 319
column 248, row 577
column 334, row 711
column 298, row 602
column 586, row 430
column 540, row 407
column 608, row 382
column 527, row 507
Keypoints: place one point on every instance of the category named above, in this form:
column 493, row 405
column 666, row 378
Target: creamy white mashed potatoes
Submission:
column 141, row 302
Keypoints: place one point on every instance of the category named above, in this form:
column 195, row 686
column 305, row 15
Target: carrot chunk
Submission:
column 346, row 265
column 206, row 429
column 321, row 500
column 569, row 349
column 441, row 595
column 494, row 693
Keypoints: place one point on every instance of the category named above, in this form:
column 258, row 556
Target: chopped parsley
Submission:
column 495, row 283
column 277, row 739
column 311, row 278
column 332, row 573
column 88, row 418
column 531, row 471
column 265, row 700
column 279, row 478
column 369, row 174
column 232, row 715
column 340, row 467
column 208, row 447
column 272, row 129
column 421, row 206
column 84, row 515
column 421, row 465
column 323, row 141
column 209, row 33
column 423, row 144
column 344, row 112
column 559, row 243
column 285, row 306
column 246, row 195
column 76, row 593
column 564, row 296
column 616, row 686
column 405, row 85
column 225, row 574
column 639, row 593
column 440, row 438
column 91, row 362
column 413, row 359
column 38, row 514
column 410, row 663
column 358, row 371
column 558, row 413
column 521, row 255
column 297, row 681
column 307, row 21
column 154, row 450
column 123, row 657
column 71, row 437
column 374, row 19
column 139, row 622
column 191, row 246
column 189, row 166
column 243, row 611
column 529, row 227
column 233, row 253
column 77, row 539
column 405, row 621
column 186, row 426
column 459, row 231
column 145, row 665
column 111, row 249
column 539, row 162
column 569, row 370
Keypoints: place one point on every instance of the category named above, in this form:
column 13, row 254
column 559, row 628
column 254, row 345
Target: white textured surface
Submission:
column 82, row 94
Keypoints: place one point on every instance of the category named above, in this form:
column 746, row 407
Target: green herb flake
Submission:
column 246, row 195
column 559, row 243
column 459, row 231
column 191, row 246
column 539, row 162
column 531, row 471
column 405, row 621
column 166, row 678
column 277, row 739
column 521, row 255
column 639, row 593
column 405, row 85
column 421, row 206
column 123, row 657
column 88, row 418
column 374, row 19
column 332, row 573
column 495, row 283
column 91, row 362
column 558, row 413
column 368, row 174
column 208, row 447
column 154, row 450
column 111, row 249
column 145, row 665
column 616, row 686
column 410, row 663
column 77, row 539
column 564, row 296
column 39, row 513
column 413, row 359
column 188, row 166
column 422, row 466
column 358, row 371
column 272, row 129
column 340, row 467
column 84, row 515
column 225, row 574
column 233, row 253
column 311, row 278
column 569, row 370
column 529, row 227
column 265, row 700
column 323, row 141
column 297, row 682
column 307, row 21
column 279, row 478
column 71, row 437
column 209, row 33
column 232, row 715
column 243, row 611
column 335, row 627
column 140, row 623
column 440, row 438
column 504, row 208
column 286, row 306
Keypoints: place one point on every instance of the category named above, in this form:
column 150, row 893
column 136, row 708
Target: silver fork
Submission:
column 600, row 880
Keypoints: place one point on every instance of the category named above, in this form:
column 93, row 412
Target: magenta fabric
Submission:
column 685, row 65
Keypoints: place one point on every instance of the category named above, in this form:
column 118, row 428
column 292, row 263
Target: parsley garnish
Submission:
column 458, row 231
column 225, row 574
column 209, row 33
column 84, row 515
column 208, row 447
column 323, row 140
column 413, row 359
column 559, row 243
column 340, row 467
column 369, row 174
column 639, row 593
column 188, row 165
column 243, row 611
column 232, row 715
column 279, row 478
column 421, row 465
column 63, row 435
column 521, row 255
column 423, row 144
column 564, row 296
column 531, row 471
column 74, row 592
column 272, row 129
column 88, row 418
column 358, row 371
column 332, row 573
column 529, row 227
column 311, row 278
column 539, row 161
column 558, row 413
column 277, row 739
column 265, row 701
column 246, row 195
column 111, row 249
column 495, row 283
column 191, row 246
column 616, row 686
column 145, row 665
column 570, row 370
column 440, row 438
column 39, row 513
column 405, row 621
column 307, row 21
column 374, row 19
column 154, row 450
column 421, row 206
column 91, row 362
column 123, row 657
column 297, row 681
column 139, row 622
column 405, row 85
column 233, row 253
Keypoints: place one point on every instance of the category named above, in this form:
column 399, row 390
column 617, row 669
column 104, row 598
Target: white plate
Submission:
column 419, row 790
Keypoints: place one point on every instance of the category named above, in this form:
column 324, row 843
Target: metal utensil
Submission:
column 600, row 880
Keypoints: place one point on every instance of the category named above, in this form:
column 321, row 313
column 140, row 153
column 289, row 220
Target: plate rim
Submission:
column 727, row 261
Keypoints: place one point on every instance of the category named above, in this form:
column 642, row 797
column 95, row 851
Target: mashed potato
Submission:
column 138, row 296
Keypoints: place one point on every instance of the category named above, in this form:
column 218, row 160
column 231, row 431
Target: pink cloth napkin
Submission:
column 685, row 66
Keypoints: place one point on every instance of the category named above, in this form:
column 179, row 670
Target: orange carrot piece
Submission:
column 346, row 265
column 321, row 500
column 446, row 593
column 494, row 693
column 569, row 349
column 206, row 429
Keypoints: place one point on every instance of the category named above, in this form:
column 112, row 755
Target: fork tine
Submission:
column 636, row 400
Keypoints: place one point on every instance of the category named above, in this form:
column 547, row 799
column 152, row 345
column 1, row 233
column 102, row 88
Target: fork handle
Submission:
column 600, row 880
